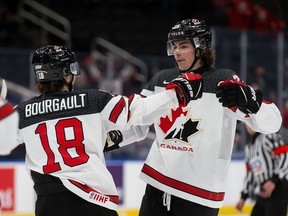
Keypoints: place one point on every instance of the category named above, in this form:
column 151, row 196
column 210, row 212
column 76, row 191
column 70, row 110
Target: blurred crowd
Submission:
column 117, row 75
column 254, row 14
column 105, row 18
column 260, row 78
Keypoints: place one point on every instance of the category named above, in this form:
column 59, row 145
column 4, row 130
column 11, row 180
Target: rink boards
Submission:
column 18, row 197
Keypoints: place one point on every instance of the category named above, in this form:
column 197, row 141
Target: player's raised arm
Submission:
column 143, row 111
column 8, row 127
column 248, row 104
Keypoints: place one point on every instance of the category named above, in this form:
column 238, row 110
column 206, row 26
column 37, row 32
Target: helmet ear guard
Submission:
column 74, row 69
column 199, row 42
column 65, row 71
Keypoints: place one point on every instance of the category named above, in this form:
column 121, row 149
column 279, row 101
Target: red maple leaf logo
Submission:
column 167, row 122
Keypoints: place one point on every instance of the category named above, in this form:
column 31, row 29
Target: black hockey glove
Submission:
column 114, row 138
column 234, row 94
column 188, row 87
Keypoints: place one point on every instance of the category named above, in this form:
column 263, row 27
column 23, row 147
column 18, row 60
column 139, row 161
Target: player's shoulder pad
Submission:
column 99, row 98
column 162, row 78
column 212, row 77
column 226, row 74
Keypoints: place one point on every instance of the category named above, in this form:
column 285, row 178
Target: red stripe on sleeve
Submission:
column 6, row 110
column 131, row 98
column 130, row 101
column 117, row 110
column 280, row 150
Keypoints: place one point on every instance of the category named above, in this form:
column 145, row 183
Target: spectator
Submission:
column 9, row 23
column 285, row 78
column 262, row 18
column 284, row 129
column 239, row 14
column 258, row 78
column 95, row 68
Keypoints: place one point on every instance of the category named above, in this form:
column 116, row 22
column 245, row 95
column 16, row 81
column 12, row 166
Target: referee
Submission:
column 267, row 174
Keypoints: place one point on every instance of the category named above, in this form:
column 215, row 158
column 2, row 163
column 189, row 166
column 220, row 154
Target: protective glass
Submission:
column 170, row 48
column 182, row 46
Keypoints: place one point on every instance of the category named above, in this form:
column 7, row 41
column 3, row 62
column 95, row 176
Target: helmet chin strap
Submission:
column 70, row 84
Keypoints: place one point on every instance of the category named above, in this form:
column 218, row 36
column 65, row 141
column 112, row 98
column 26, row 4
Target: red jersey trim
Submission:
column 190, row 189
column 131, row 98
column 117, row 110
column 280, row 150
column 87, row 189
column 266, row 102
column 6, row 110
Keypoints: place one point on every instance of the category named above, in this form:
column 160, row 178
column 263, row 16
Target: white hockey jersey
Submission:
column 193, row 147
column 65, row 135
column 8, row 127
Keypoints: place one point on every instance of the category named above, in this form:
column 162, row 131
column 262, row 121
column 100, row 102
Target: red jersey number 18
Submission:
column 64, row 144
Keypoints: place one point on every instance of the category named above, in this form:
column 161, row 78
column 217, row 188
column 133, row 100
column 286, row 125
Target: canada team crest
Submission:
column 179, row 126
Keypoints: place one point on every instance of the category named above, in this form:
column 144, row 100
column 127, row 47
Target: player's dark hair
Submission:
column 208, row 57
column 50, row 87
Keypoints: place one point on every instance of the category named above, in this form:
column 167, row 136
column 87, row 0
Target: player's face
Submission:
column 184, row 54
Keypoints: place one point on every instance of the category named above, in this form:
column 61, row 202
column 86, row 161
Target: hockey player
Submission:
column 267, row 174
column 186, row 167
column 64, row 132
column 8, row 128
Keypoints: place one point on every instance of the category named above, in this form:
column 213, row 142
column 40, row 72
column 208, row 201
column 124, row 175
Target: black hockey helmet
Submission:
column 192, row 29
column 52, row 63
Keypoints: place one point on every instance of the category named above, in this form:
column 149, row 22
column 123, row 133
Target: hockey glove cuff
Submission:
column 237, row 94
column 188, row 87
column 114, row 138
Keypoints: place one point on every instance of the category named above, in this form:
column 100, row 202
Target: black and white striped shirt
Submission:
column 266, row 159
